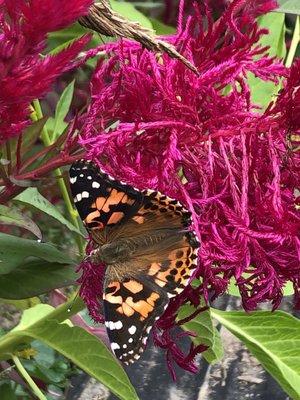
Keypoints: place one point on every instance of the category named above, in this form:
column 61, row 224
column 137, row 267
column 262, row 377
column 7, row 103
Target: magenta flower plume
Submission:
column 155, row 124
column 24, row 74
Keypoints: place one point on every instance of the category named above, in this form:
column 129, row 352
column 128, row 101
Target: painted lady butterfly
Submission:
column 145, row 240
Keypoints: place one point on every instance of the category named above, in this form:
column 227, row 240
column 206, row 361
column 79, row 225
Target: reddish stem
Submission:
column 56, row 162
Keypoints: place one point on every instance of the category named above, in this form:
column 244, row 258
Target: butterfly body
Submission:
column 144, row 238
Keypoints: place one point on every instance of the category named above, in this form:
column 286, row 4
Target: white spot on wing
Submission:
column 132, row 329
column 118, row 325
column 73, row 180
column 130, row 340
column 114, row 325
column 85, row 195
column 114, row 346
column 96, row 185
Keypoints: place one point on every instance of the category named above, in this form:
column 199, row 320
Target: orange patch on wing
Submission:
column 160, row 283
column 133, row 286
column 91, row 216
column 115, row 217
column 162, row 276
column 141, row 307
column 100, row 201
column 154, row 268
column 111, row 297
column 139, row 219
column 125, row 309
column 152, row 298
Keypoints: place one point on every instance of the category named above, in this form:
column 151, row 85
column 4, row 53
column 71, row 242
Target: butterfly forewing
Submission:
column 162, row 256
column 101, row 201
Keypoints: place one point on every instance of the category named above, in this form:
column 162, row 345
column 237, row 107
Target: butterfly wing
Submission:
column 154, row 275
column 134, row 303
column 100, row 200
column 137, row 290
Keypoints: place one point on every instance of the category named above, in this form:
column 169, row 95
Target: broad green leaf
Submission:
column 12, row 216
column 22, row 304
column 273, row 338
column 32, row 197
column 148, row 5
column 61, row 111
column 81, row 347
column 233, row 289
column 274, row 22
column 128, row 11
column 207, row 334
column 262, row 91
column 34, row 278
column 289, row 6
column 10, row 343
column 15, row 251
column 160, row 28
column 88, row 353
column 32, row 316
column 59, row 40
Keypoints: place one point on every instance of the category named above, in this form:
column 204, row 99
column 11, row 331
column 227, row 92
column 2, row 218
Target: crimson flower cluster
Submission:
column 199, row 138
column 24, row 74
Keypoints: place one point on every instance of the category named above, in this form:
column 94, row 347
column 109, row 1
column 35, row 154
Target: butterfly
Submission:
column 146, row 241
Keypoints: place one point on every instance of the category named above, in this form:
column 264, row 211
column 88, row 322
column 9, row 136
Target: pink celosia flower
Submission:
column 155, row 124
column 24, row 74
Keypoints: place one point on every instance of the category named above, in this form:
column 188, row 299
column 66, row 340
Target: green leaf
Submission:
column 22, row 304
column 148, row 5
column 81, row 347
column 128, row 11
column 289, row 6
column 274, row 22
column 7, row 392
column 273, row 338
column 262, row 91
column 32, row 197
column 233, row 290
column 12, row 216
column 207, row 334
column 88, row 353
column 61, row 111
column 32, row 316
column 60, row 40
column 15, row 251
column 160, row 28
column 29, row 137
column 34, row 278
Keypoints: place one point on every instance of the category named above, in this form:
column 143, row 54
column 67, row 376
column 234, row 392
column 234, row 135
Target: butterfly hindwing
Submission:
column 161, row 256
column 130, row 309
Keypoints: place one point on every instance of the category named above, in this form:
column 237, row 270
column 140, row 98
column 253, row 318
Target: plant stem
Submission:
column 294, row 43
column 36, row 115
column 28, row 379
